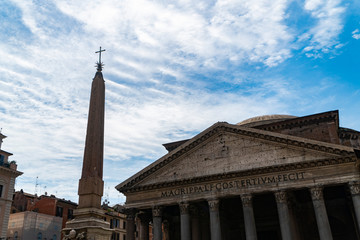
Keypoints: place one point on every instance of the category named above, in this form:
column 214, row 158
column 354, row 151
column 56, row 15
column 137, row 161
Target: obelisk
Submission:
column 88, row 221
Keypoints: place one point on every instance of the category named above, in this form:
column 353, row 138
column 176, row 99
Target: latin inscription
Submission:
column 235, row 184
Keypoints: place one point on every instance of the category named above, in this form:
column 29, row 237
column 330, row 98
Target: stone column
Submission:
column 284, row 215
column 320, row 213
column 185, row 221
column 249, row 219
column 157, row 223
column 130, row 224
column 215, row 228
column 355, row 195
column 195, row 223
column 144, row 226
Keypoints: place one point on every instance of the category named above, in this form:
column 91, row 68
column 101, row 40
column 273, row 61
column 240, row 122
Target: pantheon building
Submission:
column 268, row 177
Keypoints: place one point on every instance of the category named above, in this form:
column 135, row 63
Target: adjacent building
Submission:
column 268, row 177
column 50, row 205
column 117, row 219
column 8, row 173
column 33, row 225
column 45, row 205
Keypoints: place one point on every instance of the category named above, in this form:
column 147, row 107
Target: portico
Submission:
column 242, row 182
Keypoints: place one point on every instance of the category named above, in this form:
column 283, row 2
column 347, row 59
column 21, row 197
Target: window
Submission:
column 124, row 225
column 115, row 236
column 1, row 189
column 114, row 223
column 124, row 237
column 59, row 211
column 2, row 159
column 39, row 236
column 54, row 237
column 70, row 214
column 15, row 235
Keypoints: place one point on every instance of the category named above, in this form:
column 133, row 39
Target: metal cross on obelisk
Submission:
column 100, row 64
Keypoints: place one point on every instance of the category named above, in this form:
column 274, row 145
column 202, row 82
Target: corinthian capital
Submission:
column 246, row 200
column 157, row 211
column 213, row 204
column 184, row 208
column 317, row 193
column 130, row 213
column 354, row 187
column 281, row 197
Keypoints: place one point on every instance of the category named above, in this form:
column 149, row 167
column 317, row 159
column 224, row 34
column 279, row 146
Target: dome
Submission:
column 265, row 119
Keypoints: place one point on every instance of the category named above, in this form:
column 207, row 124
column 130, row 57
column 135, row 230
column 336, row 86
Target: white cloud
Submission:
column 160, row 61
column 356, row 34
column 324, row 35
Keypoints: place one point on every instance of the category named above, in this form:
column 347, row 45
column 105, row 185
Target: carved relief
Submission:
column 184, row 208
column 73, row 236
column 246, row 200
column 157, row 211
column 354, row 187
column 214, row 204
column 317, row 193
column 281, row 197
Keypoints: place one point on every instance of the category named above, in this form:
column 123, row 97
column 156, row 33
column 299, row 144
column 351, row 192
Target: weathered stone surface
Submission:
column 230, row 153
column 89, row 216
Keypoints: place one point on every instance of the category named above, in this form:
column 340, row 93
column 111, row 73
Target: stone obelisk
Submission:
column 88, row 222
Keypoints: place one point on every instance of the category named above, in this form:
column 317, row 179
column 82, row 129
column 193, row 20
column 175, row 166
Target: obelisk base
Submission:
column 88, row 224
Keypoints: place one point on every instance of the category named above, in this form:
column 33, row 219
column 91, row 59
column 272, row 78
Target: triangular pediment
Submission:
column 225, row 148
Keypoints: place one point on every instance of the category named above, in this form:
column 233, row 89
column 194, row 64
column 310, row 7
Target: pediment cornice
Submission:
column 252, row 172
column 338, row 151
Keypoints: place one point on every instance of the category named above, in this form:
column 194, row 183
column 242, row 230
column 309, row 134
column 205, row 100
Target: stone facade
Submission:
column 32, row 225
column 116, row 217
column 8, row 173
column 44, row 204
column 266, row 178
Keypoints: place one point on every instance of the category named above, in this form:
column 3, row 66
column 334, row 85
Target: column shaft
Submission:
column 320, row 213
column 355, row 195
column 144, row 226
column 157, row 223
column 249, row 219
column 130, row 224
column 185, row 221
column 215, row 228
column 284, row 215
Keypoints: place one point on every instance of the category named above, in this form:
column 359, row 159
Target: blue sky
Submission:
column 171, row 69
